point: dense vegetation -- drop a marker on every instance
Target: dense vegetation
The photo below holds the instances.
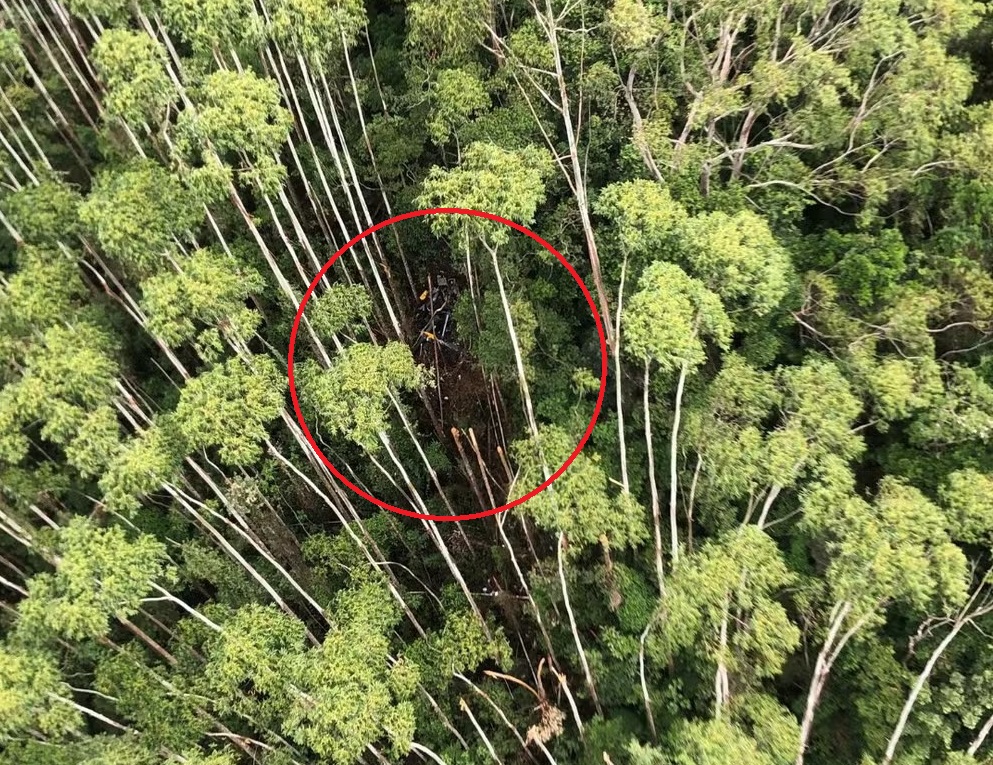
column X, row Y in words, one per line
column 775, row 547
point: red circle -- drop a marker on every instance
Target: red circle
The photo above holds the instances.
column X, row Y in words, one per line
column 478, row 214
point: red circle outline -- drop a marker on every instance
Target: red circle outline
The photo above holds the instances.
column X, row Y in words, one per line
column 478, row 214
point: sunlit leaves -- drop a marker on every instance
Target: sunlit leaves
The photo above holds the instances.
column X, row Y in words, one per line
column 741, row 574
column 963, row 413
column 339, row 309
column 461, row 645
column 66, row 375
column 218, row 24
column 238, row 113
column 251, row 651
column 113, row 10
column 456, row 95
column 669, row 314
column 351, row 694
column 45, row 214
column 352, row 396
column 136, row 211
column 132, row 66
column 30, row 687
column 967, row 495
column 318, row 29
column 446, row 31
column 645, row 214
column 230, row 406
column 96, row 442
column 149, row 460
column 711, row 742
column 100, row 573
column 44, row 290
column 165, row 716
column 578, row 503
column 336, row 698
column 633, row 24
column 895, row 548
column 506, row 183
column 211, row 289
column 737, row 257
column 901, row 386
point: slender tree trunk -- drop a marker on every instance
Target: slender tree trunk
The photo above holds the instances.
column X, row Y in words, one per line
column 829, row 652
column 673, row 463
column 652, row 482
column 981, row 736
column 618, row 386
column 918, row 687
column 575, row 630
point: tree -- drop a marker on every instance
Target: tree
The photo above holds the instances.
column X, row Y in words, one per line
column 350, row 397
column 32, row 695
column 211, row 289
column 132, row 66
column 665, row 322
column 99, row 574
column 901, row 541
column 158, row 209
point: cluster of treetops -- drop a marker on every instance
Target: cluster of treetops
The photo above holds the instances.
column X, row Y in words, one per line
column 775, row 547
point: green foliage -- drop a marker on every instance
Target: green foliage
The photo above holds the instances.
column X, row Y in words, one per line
column 645, row 214
column 633, row 23
column 506, row 183
column 31, row 695
column 339, row 309
column 335, row 699
column 132, row 66
column 896, row 548
column 251, row 651
column 144, row 465
column 773, row 727
column 219, row 24
column 238, row 112
column 166, row 717
column 318, row 29
column 351, row 397
column 352, row 694
column 966, row 494
column 866, row 267
column 461, row 645
column 799, row 197
column 230, row 406
column 46, row 288
column 739, row 574
column 737, row 257
column 45, row 214
column 491, row 343
column 211, row 290
column 669, row 314
column 112, row 10
column 68, row 381
column 962, row 414
column 100, row 573
column 578, row 504
column 457, row 95
column 714, row 742
column 448, row 31
column 901, row 387
column 135, row 213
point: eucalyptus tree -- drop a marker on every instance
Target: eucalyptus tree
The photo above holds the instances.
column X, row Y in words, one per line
column 666, row 321
column 900, row 540
column 800, row 97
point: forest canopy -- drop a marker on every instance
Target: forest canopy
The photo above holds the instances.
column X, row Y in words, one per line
column 773, row 549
